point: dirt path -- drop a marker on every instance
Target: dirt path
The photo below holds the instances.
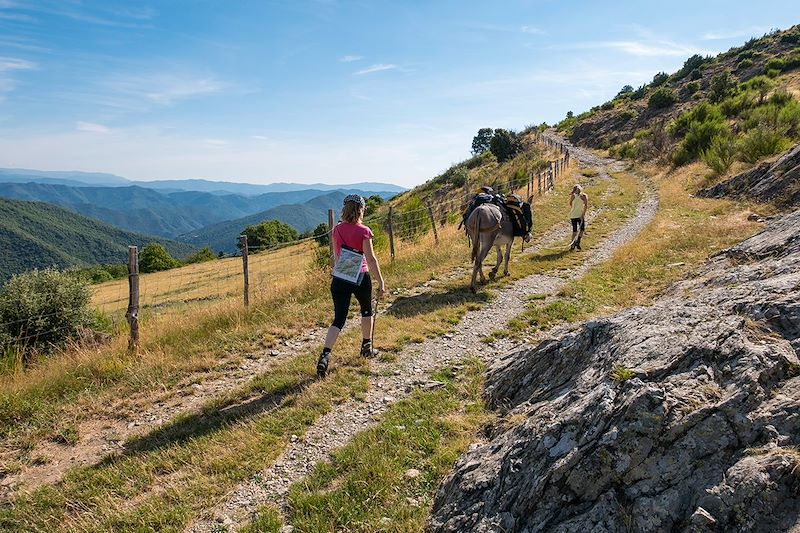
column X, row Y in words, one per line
column 391, row 381
column 125, row 419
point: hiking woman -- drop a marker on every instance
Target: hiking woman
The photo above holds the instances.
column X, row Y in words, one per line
column 578, row 203
column 351, row 234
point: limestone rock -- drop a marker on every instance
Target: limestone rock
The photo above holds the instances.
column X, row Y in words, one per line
column 703, row 437
column 777, row 182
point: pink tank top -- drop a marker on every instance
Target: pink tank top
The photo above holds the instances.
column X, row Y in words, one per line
column 352, row 236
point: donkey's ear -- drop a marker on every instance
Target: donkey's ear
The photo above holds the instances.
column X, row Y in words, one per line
column 530, row 199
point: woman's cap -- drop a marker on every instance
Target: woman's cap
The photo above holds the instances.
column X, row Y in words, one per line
column 355, row 198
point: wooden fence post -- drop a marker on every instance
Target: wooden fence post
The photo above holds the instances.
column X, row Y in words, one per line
column 539, row 181
column 245, row 269
column 132, row 314
column 391, row 233
column 330, row 237
column 433, row 223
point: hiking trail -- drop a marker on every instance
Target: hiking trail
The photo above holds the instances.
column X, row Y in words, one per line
column 392, row 381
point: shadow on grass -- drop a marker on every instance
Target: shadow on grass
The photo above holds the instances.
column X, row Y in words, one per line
column 407, row 306
column 551, row 256
column 210, row 420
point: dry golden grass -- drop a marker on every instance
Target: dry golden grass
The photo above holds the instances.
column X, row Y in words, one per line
column 212, row 280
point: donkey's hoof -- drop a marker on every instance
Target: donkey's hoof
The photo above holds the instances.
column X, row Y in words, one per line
column 492, row 275
column 473, row 290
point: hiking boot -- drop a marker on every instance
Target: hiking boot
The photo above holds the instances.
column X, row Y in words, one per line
column 367, row 351
column 322, row 365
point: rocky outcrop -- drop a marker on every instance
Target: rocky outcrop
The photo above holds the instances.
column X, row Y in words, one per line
column 777, row 182
column 681, row 416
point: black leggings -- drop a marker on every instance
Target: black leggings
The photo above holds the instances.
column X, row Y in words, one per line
column 578, row 223
column 341, row 291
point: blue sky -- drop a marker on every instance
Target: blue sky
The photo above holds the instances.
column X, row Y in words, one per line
column 324, row 90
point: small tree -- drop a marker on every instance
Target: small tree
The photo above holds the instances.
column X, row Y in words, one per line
column 481, row 142
column 721, row 154
column 269, row 233
column 626, row 90
column 722, row 86
column 504, row 144
column 42, row 309
column 660, row 79
column 321, row 234
column 201, row 256
column 661, row 98
column 373, row 203
column 155, row 258
column 760, row 84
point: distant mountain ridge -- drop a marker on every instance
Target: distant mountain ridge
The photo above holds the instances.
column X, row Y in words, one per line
column 302, row 217
column 163, row 213
column 39, row 235
column 99, row 179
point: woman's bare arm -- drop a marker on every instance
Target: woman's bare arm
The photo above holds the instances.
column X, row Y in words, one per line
column 372, row 263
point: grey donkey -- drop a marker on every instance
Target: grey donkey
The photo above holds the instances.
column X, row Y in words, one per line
column 489, row 226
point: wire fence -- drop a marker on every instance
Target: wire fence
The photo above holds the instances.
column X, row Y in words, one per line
column 262, row 272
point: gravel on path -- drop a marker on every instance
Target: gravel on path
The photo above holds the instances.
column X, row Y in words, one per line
column 392, row 381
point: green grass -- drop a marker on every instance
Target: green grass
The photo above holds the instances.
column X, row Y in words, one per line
column 366, row 487
column 621, row 374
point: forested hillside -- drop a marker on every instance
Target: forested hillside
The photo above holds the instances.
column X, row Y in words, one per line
column 38, row 235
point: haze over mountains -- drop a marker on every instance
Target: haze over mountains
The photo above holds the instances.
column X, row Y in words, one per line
column 197, row 212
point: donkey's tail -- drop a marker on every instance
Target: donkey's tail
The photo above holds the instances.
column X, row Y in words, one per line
column 476, row 239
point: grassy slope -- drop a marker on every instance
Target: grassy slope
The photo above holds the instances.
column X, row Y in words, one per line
column 36, row 235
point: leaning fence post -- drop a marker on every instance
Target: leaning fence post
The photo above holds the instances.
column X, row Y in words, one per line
column 433, row 223
column 391, row 233
column 132, row 314
column 245, row 269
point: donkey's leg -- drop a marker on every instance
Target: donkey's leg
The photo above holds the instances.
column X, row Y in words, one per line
column 508, row 255
column 493, row 273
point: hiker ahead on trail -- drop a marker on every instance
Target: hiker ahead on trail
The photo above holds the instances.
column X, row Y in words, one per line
column 355, row 261
column 578, row 203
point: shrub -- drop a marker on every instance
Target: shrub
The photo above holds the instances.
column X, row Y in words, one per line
column 761, row 85
column 155, row 258
column 780, row 98
column 776, row 63
column 697, row 139
column 703, row 112
column 692, row 87
column 375, row 201
column 720, row 155
column 626, row 150
column 659, row 79
column 269, row 234
column 772, row 72
column 735, row 105
column 691, row 66
column 627, row 115
column 201, row 256
column 624, row 92
column 789, row 118
column 791, row 37
column 760, row 142
column 42, row 309
column 744, row 63
column 723, row 85
column 639, row 93
column 661, row 98
column 607, row 105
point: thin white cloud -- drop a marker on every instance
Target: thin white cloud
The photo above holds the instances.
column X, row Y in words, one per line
column 378, row 67
column 13, row 63
column 638, row 48
column 9, row 65
column 350, row 59
column 752, row 31
column 216, row 142
column 165, row 88
column 533, row 30
column 259, row 137
column 91, row 127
